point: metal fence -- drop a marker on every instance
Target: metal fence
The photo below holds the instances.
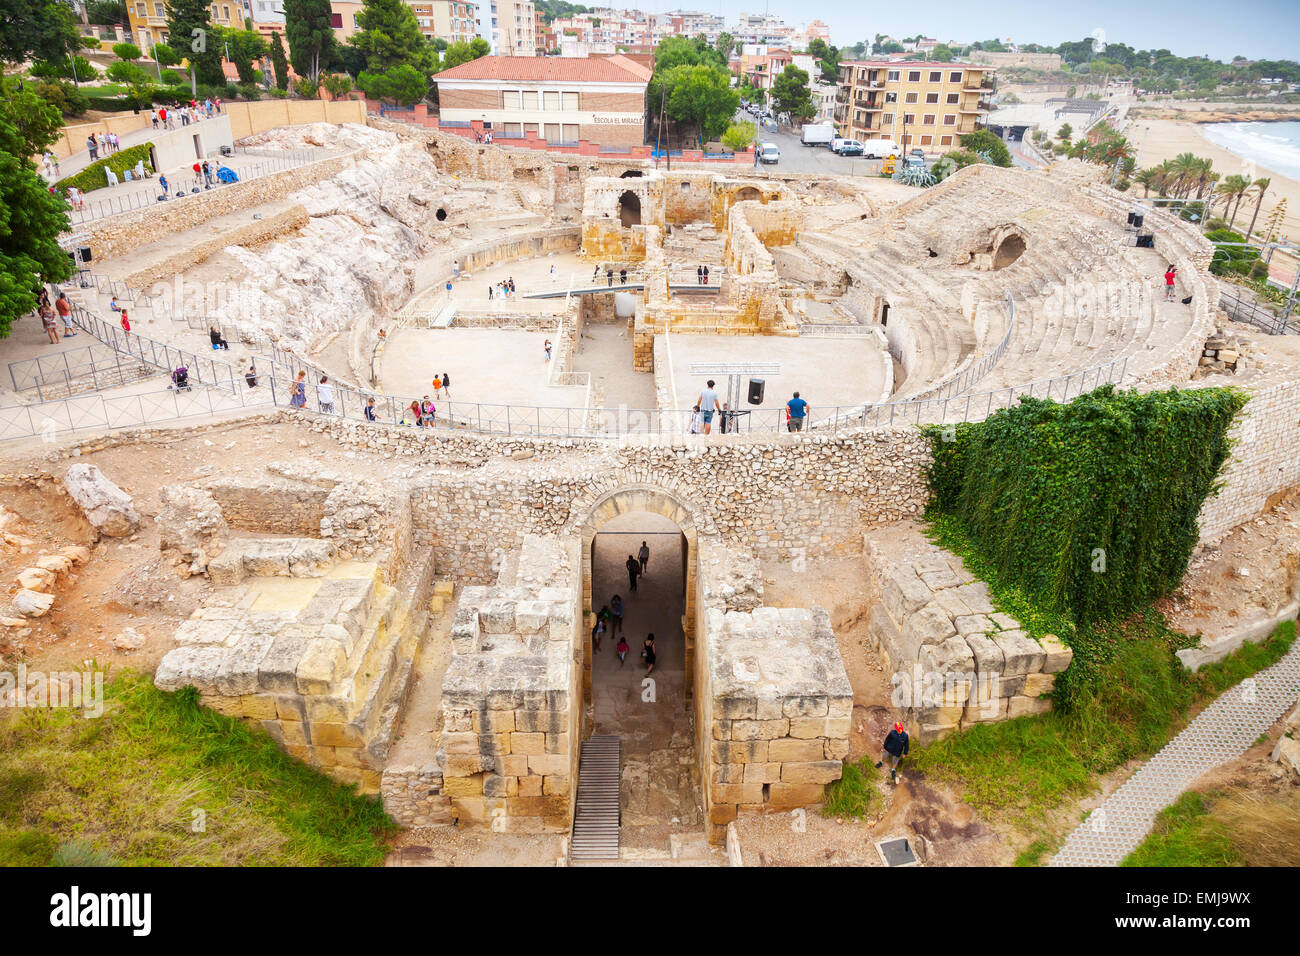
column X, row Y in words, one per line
column 967, row 379
column 1241, row 307
column 85, row 369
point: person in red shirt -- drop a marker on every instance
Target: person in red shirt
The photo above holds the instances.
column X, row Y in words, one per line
column 1170, row 275
column 126, row 323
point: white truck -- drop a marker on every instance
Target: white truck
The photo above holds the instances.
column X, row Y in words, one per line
column 880, row 149
column 817, row 134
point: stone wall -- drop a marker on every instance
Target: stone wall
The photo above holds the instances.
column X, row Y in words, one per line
column 275, row 506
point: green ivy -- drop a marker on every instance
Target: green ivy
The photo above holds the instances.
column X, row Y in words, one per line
column 1044, row 493
column 92, row 177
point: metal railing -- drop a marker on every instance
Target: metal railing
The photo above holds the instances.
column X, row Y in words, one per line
column 1242, row 308
column 967, row 379
column 86, row 369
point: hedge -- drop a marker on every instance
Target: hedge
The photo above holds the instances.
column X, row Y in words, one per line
column 110, row 104
column 92, row 177
column 1090, row 506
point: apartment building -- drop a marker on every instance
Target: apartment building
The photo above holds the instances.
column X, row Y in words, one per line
column 510, row 26
column 343, row 18
column 148, row 19
column 913, row 103
column 451, row 20
column 600, row 99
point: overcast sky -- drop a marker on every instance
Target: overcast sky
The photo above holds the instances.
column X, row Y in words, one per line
column 1257, row 29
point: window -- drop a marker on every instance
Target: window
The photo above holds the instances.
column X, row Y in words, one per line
column 510, row 99
column 936, row 76
column 552, row 132
column 909, row 119
column 954, row 76
column 914, row 76
column 893, row 76
column 513, row 129
column 159, row 11
column 887, row 119
column 927, row 140
column 953, row 98
column 945, row 140
column 551, row 103
column 950, row 119
column 910, row 98
column 927, row 120
column 530, row 100
column 530, row 128
column 570, row 130
column 891, row 97
column 570, row 103
column 225, row 12
column 932, row 97
column 140, row 11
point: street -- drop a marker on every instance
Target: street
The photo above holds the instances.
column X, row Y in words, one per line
column 798, row 158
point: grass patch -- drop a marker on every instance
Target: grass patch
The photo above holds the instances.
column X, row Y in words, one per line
column 1232, row 828
column 159, row 780
column 1023, row 769
column 855, row 794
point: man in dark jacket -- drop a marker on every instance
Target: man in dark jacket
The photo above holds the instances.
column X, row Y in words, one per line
column 895, row 749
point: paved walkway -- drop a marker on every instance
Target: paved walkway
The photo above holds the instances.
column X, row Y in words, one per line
column 1221, row 732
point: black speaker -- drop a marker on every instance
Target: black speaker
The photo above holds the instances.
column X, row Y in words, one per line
column 1147, row 242
column 1131, row 217
column 84, row 253
column 756, row 391
column 1137, row 220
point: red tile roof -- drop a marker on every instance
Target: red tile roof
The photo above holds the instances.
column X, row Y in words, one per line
column 589, row 69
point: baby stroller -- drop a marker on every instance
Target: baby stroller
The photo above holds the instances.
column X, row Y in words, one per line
column 181, row 379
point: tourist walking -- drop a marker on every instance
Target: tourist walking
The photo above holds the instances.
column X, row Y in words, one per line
column 706, row 275
column 648, row 652
column 325, row 395
column 707, row 404
column 699, row 275
column 622, row 649
column 413, row 413
column 153, row 116
column 437, row 388
column 298, row 398
column 616, row 614
column 547, row 346
column 697, row 421
column 251, row 375
column 796, row 411
column 1170, row 275
column 64, row 308
column 643, row 556
column 633, row 572
column 894, row 749
column 166, row 186
column 598, row 629
column 722, row 419
column 622, row 277
column 92, row 147
column 207, row 175
column 370, row 411
column 446, row 385
column 126, row 322
column 49, row 323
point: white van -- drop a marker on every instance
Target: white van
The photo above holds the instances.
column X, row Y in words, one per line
column 880, row 148
column 768, row 153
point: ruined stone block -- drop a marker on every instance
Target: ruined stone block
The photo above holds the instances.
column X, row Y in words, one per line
column 813, row 771
column 1022, row 654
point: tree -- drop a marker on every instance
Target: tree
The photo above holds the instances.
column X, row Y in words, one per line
column 389, row 35
column 702, row 96
column 983, row 141
column 69, row 68
column 31, row 217
column 164, row 55
column 244, row 46
column 942, row 53
column 790, row 94
column 337, row 84
column 726, row 43
column 279, row 61
column 462, row 52
column 106, row 11
column 828, row 59
column 403, row 84
column 1233, row 188
column 311, row 38
column 36, row 30
column 134, row 76
column 1260, row 186
column 738, row 136
column 1065, row 132
column 126, row 51
column 190, row 28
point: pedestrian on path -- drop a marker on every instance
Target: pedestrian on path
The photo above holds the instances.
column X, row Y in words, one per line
column 1170, row 275
column 126, row 322
column 325, row 395
column 648, row 652
column 697, row 421
column 547, row 346
column 64, row 308
column 633, row 571
column 370, row 411
column 796, row 411
column 437, row 388
column 616, row 614
column 153, row 116
column 622, row 649
column 251, row 375
column 598, row 629
column 446, row 385
column 92, row 147
column 449, row 288
column 895, row 749
column 299, row 397
column 708, row 403
column 49, row 323
column 699, row 275
column 706, row 275
column 643, row 556
column 166, row 186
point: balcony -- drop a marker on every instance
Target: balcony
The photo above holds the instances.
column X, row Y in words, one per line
column 864, row 103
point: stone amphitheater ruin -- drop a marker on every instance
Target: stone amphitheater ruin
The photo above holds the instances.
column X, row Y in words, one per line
column 417, row 617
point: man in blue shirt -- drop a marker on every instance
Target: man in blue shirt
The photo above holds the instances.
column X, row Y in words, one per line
column 797, row 410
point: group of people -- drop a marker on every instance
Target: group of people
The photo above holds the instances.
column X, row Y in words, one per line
column 609, row 619
column 500, row 290
column 609, row 275
column 709, row 404
column 52, row 313
column 165, row 117
column 98, row 144
column 702, row 275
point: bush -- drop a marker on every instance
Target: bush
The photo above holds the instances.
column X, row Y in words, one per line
column 337, row 84
column 1232, row 259
column 250, row 91
column 278, row 94
column 307, row 89
column 739, row 136
column 1090, row 506
column 63, row 96
column 109, row 104
column 92, row 177
column 171, row 78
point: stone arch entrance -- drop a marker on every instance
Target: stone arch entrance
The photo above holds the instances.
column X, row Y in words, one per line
column 656, row 501
column 748, row 194
column 1008, row 251
column 629, row 209
column 631, row 174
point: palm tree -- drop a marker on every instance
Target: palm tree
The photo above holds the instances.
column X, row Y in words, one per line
column 1183, row 170
column 1260, row 186
column 1233, row 187
column 1147, row 178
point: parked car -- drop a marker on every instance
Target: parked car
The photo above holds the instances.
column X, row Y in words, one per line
column 851, row 147
column 880, row 148
column 917, row 154
column 769, row 153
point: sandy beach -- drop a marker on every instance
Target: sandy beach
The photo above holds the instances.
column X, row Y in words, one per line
column 1168, row 138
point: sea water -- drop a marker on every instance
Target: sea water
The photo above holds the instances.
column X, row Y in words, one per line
column 1275, row 146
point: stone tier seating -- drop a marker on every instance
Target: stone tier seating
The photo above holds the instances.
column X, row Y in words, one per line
column 953, row 659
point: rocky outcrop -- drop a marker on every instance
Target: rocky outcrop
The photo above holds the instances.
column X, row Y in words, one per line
column 106, row 506
column 191, row 527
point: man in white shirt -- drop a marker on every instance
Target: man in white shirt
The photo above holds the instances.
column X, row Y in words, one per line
column 325, row 395
column 708, row 404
